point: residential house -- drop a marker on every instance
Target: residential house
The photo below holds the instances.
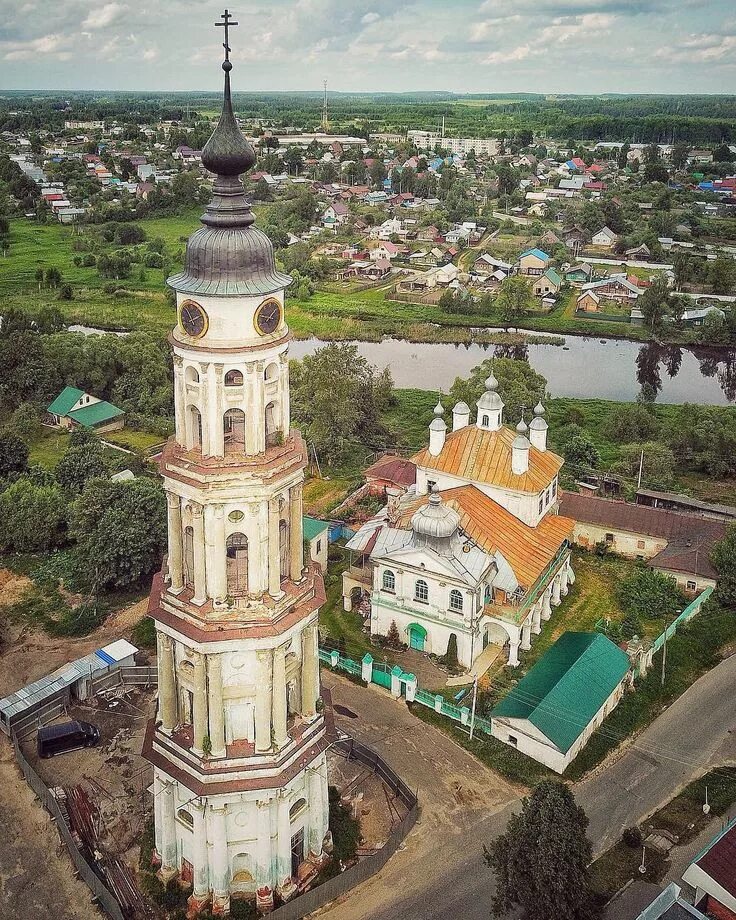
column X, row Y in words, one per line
column 549, row 238
column 575, row 238
column 588, row 302
column 615, row 287
column 698, row 316
column 713, row 876
column 486, row 265
column 335, row 214
column 390, row 473
column 428, row 234
column 604, row 237
column 645, row 901
column 555, row 708
column 316, row 538
column 579, row 274
column 676, row 544
column 73, row 408
column 640, row 253
column 548, row 284
column 533, row 262
column 384, row 251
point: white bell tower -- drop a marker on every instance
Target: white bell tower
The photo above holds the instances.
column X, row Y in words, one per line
column 239, row 740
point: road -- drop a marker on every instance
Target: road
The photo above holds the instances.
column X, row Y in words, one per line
column 440, row 871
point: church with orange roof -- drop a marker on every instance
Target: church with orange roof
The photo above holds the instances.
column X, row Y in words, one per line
column 474, row 557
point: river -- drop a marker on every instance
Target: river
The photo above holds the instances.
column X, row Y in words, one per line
column 584, row 367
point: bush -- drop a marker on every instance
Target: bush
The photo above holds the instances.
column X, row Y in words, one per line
column 632, row 837
column 345, row 829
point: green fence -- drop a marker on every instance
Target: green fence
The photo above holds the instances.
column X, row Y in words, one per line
column 686, row 614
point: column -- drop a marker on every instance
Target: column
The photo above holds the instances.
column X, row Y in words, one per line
column 263, row 702
column 166, row 682
column 546, row 604
column 526, row 636
column 176, row 549
column 296, row 540
column 279, row 697
column 200, row 578
column 180, row 403
column 283, row 870
column 204, row 408
column 216, row 410
column 563, row 581
column 249, row 407
column 310, row 674
column 263, row 846
column 570, row 573
column 215, row 705
column 513, row 661
column 199, row 715
column 285, row 396
column 168, row 853
column 158, row 821
column 274, row 549
column 220, row 867
column 536, row 617
column 216, row 560
column 316, row 833
column 259, row 405
column 325, row 795
column 556, row 592
column 201, row 888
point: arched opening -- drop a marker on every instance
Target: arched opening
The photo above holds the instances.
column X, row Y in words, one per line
column 356, row 595
column 421, row 591
column 234, row 428
column 191, row 374
column 236, row 551
column 417, row 636
column 233, row 378
column 456, row 601
column 272, row 432
column 297, row 809
column 284, row 548
column 185, row 817
column 189, row 557
column 494, row 634
column 271, row 372
column 195, row 428
column 389, row 581
column 242, row 877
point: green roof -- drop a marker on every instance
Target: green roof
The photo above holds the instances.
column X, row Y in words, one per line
column 65, row 400
column 567, row 686
column 313, row 528
column 95, row 414
column 553, row 276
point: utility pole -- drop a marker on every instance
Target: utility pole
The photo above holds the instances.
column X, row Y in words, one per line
column 664, row 651
column 325, row 120
column 641, row 467
column 472, row 712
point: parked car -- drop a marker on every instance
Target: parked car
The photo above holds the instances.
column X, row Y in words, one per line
column 68, row 736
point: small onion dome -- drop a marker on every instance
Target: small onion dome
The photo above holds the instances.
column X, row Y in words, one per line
column 227, row 152
column 522, row 427
column 461, row 408
column 491, row 382
column 435, row 520
column 490, row 399
column 438, row 424
column 439, row 409
column 539, row 409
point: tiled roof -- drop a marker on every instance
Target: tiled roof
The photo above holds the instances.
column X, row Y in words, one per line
column 394, row 469
column 528, row 550
column 65, row 400
column 690, row 538
column 477, row 455
column 567, row 686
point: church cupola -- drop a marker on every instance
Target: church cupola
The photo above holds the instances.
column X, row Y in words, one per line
column 435, row 524
column 538, row 429
column 520, row 450
column 490, row 407
column 460, row 416
column 437, row 431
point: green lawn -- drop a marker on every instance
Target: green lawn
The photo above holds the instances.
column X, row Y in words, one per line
column 133, row 440
column 46, row 450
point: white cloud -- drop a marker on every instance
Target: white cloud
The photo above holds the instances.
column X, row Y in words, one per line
column 369, row 18
column 45, row 45
column 102, row 16
column 705, row 48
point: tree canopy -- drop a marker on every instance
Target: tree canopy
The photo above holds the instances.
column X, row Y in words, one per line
column 519, row 386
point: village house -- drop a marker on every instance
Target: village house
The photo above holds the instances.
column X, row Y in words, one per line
column 487, row 265
column 604, row 237
column 475, row 550
column 579, row 274
column 618, row 288
column 316, row 540
column 676, row 544
column 713, row 876
column 555, row 708
column 640, row 253
column 548, row 285
column 533, row 262
column 588, row 302
column 335, row 215
column 73, row 408
column 384, row 251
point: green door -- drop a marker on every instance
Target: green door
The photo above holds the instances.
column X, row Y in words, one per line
column 416, row 637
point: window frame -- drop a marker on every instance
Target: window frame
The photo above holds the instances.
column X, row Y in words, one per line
column 417, row 597
column 392, row 577
column 455, row 593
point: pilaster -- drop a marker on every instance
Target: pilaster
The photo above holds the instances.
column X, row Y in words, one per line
column 215, row 705
column 166, row 683
column 263, row 702
column 200, row 569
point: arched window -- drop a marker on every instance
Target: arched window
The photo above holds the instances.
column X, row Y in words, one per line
column 233, row 378
column 191, row 375
column 296, row 809
column 271, row 372
column 421, row 591
column 486, row 420
column 185, row 817
column 272, row 432
column 236, row 552
column 456, row 600
column 234, row 429
column 389, row 581
column 195, row 428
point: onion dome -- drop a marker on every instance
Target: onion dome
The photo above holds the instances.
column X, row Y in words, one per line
column 522, row 426
column 435, row 523
column 490, row 399
column 228, row 255
column 539, row 409
column 439, row 409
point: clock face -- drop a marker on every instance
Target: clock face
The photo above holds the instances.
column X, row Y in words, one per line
column 268, row 317
column 193, row 319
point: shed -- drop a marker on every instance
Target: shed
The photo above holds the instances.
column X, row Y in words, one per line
column 316, row 535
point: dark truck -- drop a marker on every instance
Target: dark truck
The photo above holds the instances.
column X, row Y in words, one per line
column 68, row 736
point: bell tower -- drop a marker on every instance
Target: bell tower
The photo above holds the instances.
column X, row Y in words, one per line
column 238, row 743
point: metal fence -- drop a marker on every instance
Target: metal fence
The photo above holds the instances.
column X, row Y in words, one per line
column 100, row 892
column 138, row 676
column 343, row 883
column 686, row 614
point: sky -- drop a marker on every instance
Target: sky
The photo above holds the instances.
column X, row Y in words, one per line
column 478, row 46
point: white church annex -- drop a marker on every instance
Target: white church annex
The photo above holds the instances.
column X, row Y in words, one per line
column 477, row 550
column 238, row 744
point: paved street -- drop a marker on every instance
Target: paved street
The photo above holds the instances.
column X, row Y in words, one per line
column 440, row 872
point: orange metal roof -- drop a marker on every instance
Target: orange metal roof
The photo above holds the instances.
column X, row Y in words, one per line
column 528, row 550
column 485, row 456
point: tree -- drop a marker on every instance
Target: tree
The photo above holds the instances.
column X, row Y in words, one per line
column 658, row 465
column 581, row 455
column 722, row 274
column 120, row 531
column 519, row 386
column 656, row 303
column 623, row 156
column 13, row 453
column 723, row 557
column 393, row 637
column 632, row 422
column 541, row 861
column 33, row 516
column 515, row 298
column 337, row 397
column 680, row 154
column 647, row 594
column 79, row 464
